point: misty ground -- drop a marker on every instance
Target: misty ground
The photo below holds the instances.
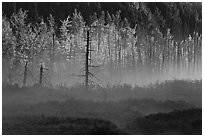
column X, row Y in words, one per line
column 171, row 107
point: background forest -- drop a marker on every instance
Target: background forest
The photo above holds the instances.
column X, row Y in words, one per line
column 134, row 43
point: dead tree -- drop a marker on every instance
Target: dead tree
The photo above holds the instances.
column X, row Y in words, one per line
column 43, row 81
column 25, row 75
column 41, row 75
column 87, row 62
column 88, row 65
column 53, row 49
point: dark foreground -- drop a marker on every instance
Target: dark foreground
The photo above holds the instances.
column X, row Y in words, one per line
column 186, row 122
column 169, row 108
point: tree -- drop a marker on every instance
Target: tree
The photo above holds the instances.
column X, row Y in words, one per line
column 155, row 41
column 117, row 23
column 51, row 33
column 8, row 46
column 87, row 63
column 20, row 30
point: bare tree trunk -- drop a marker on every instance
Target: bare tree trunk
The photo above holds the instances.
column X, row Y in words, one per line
column 53, row 49
column 119, row 55
column 150, row 58
column 90, row 52
column 178, row 58
column 133, row 57
column 109, row 48
column 115, row 52
column 174, row 58
column 25, row 76
column 163, row 58
column 87, row 63
column 189, row 58
column 110, row 54
column 52, row 54
column 167, row 57
column 41, row 75
column 98, row 37
column 9, row 71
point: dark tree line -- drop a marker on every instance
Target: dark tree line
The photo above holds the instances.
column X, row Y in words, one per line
column 183, row 18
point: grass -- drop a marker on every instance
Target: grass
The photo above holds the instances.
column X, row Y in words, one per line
column 113, row 106
column 180, row 122
column 188, row 91
column 41, row 125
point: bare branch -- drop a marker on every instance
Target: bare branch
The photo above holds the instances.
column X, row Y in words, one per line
column 93, row 66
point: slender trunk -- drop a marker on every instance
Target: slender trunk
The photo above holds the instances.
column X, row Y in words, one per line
column 90, row 52
column 74, row 57
column 133, row 57
column 119, row 52
column 99, row 40
column 119, row 55
column 41, row 75
column 53, row 49
column 70, row 51
column 174, row 58
column 109, row 48
column 115, row 51
column 25, row 76
column 109, row 53
column 178, row 58
column 194, row 57
column 167, row 53
column 52, row 54
column 163, row 57
column 9, row 75
column 189, row 58
column 150, row 58
column 33, row 60
column 87, row 62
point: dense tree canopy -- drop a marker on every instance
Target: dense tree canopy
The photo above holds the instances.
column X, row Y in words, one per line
column 152, row 40
column 183, row 17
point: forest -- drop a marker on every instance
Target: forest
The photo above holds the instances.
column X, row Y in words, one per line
column 93, row 68
column 157, row 45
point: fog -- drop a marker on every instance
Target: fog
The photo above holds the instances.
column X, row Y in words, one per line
column 68, row 75
column 108, row 71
